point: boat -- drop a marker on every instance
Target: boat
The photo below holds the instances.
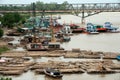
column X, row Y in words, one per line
column 91, row 29
column 110, row 27
column 100, row 28
column 66, row 38
column 76, row 29
column 53, row 72
column 35, row 47
column 66, row 30
column 54, row 46
column 118, row 57
column 62, row 37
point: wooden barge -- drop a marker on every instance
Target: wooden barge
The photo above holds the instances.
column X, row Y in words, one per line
column 19, row 65
column 92, row 71
column 57, row 52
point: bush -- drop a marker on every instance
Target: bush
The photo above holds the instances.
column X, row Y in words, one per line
column 3, row 49
column 10, row 19
column 5, row 78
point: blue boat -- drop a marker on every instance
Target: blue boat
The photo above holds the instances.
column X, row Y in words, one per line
column 118, row 57
column 110, row 27
column 91, row 29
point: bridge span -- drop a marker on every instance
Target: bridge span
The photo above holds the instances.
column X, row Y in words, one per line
column 89, row 8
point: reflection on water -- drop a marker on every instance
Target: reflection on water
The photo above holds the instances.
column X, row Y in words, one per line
column 51, row 78
column 86, row 76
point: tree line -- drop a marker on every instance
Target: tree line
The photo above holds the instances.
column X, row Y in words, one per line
column 10, row 20
column 38, row 6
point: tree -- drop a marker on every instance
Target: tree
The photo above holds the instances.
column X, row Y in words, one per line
column 17, row 17
column 63, row 5
column 39, row 5
column 1, row 33
column 10, row 19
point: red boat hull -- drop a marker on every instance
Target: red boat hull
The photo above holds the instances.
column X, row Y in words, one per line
column 101, row 29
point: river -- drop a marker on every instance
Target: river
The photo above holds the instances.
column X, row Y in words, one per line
column 107, row 42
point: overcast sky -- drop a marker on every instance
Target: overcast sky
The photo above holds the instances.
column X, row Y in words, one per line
column 58, row 1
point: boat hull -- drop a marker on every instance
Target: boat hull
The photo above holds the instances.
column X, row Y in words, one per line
column 93, row 32
column 52, row 75
column 118, row 58
column 37, row 49
column 101, row 29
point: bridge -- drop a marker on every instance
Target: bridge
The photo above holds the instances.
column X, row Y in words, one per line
column 89, row 8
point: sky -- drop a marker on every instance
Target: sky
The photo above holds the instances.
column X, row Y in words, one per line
column 58, row 1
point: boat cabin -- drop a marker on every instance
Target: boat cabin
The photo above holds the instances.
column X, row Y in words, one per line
column 54, row 46
column 66, row 29
column 35, row 47
column 109, row 26
column 90, row 27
